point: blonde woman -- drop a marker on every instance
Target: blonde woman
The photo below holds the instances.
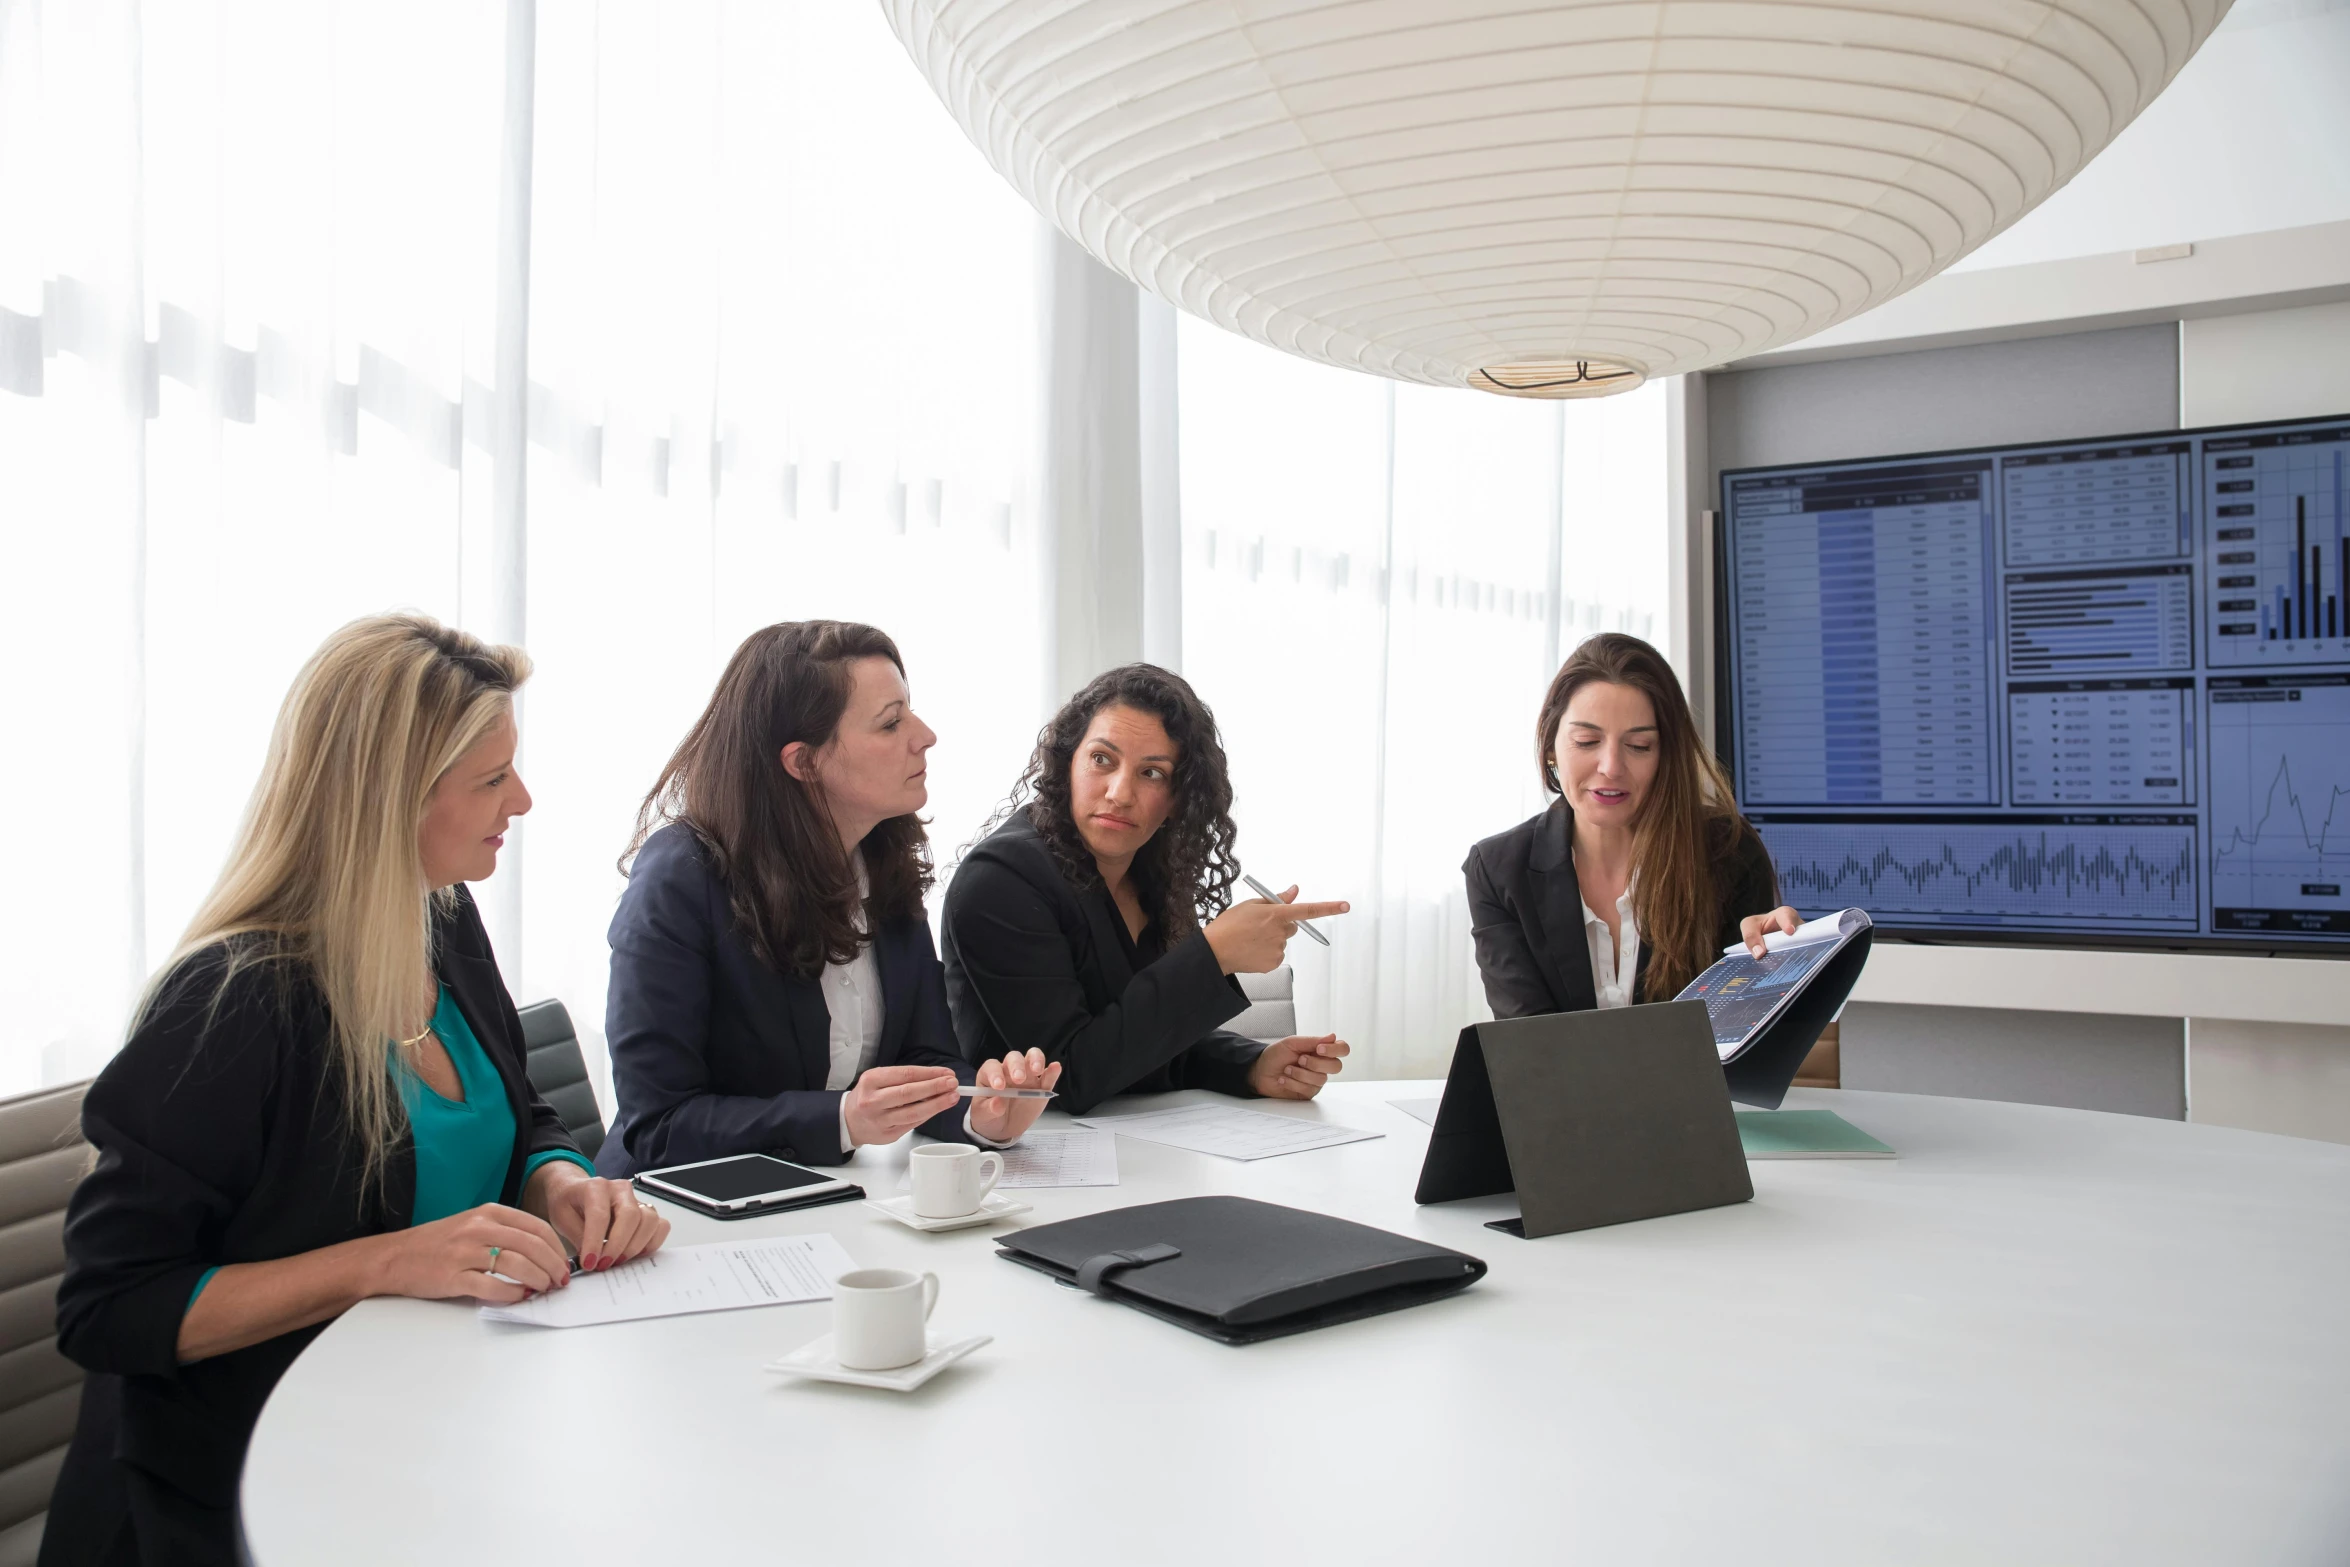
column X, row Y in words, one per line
column 323, row 1097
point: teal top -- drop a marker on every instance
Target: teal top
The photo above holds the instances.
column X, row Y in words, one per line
column 462, row 1145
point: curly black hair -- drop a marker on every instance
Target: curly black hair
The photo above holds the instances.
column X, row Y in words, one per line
column 1185, row 873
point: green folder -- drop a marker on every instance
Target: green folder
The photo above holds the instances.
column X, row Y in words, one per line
column 1805, row 1134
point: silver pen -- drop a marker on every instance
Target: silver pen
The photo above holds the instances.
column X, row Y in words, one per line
column 1270, row 896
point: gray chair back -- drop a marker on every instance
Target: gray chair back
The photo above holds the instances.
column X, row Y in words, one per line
column 1272, row 1005
column 42, row 1156
column 559, row 1072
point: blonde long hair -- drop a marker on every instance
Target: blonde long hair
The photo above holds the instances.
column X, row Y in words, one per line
column 326, row 875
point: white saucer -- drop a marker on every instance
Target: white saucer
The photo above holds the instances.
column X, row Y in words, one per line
column 815, row 1361
column 997, row 1206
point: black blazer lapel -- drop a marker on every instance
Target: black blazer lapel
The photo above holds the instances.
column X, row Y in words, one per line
column 811, row 1026
column 897, row 996
column 1111, row 970
column 1564, row 949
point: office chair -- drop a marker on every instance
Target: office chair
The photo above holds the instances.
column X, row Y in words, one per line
column 42, row 1157
column 559, row 1072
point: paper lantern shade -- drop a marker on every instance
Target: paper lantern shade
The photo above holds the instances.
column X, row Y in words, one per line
column 1547, row 199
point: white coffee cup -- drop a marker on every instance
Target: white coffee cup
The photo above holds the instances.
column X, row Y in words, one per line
column 878, row 1317
column 952, row 1179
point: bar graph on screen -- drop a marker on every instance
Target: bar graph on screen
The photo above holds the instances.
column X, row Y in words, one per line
column 2279, row 571
column 2280, row 799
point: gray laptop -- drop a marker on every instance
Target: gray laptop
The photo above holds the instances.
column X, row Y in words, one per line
column 1590, row 1117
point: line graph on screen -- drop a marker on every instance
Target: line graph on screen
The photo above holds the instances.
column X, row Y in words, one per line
column 2098, row 873
column 2280, row 805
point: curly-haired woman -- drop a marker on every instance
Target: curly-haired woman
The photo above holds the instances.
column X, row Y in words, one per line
column 1076, row 927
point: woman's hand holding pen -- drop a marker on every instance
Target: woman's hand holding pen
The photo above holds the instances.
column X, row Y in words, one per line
column 1252, row 937
column 1296, row 1067
column 1754, row 927
column 890, row 1101
column 1003, row 1120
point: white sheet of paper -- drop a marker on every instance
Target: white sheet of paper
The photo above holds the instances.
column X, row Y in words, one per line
column 1422, row 1110
column 679, row 1280
column 1826, row 928
column 1077, row 1156
column 1231, row 1134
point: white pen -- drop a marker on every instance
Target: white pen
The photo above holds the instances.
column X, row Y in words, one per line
column 968, row 1091
column 1271, row 896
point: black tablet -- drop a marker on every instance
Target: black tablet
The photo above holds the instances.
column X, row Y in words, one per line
column 744, row 1184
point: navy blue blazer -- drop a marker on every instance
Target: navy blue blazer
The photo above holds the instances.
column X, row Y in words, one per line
column 715, row 1053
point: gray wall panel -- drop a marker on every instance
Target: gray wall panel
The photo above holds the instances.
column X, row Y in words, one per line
column 2081, row 1060
column 2081, row 384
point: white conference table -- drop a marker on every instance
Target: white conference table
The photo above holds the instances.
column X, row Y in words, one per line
column 2039, row 1336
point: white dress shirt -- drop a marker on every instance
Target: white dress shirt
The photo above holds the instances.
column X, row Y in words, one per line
column 852, row 998
column 852, row 994
column 1615, row 965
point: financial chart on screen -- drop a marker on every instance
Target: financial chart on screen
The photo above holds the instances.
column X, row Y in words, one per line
column 2087, row 690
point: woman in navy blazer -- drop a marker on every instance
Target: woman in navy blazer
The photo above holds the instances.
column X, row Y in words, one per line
column 774, row 984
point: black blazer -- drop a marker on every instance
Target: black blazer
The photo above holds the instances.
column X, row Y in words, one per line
column 219, row 1140
column 1034, row 964
column 715, row 1053
column 1526, row 912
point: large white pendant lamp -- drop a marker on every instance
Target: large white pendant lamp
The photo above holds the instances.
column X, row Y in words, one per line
column 1540, row 197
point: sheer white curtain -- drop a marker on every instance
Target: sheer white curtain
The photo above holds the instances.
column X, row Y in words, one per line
column 784, row 364
column 241, row 314
column 1379, row 582
column 780, row 363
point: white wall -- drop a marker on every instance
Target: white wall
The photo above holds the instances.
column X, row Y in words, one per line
column 2265, row 364
column 2253, row 135
column 2271, row 1077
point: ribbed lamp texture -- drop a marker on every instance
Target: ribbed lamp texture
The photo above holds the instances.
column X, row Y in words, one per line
column 1540, row 198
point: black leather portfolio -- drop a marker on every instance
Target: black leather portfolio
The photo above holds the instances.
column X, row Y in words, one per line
column 1237, row 1270
column 1592, row 1118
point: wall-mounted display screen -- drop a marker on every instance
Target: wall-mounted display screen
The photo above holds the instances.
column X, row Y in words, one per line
column 2079, row 691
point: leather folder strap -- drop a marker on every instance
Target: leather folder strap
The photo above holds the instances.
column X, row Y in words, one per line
column 1093, row 1275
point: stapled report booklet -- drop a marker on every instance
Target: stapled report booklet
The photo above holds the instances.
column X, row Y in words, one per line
column 1743, row 993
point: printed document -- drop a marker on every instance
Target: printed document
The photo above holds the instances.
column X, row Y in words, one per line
column 679, row 1280
column 1229, row 1133
column 1077, row 1156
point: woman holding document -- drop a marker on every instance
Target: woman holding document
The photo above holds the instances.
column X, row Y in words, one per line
column 1643, row 871
column 1092, row 924
column 774, row 985
column 323, row 1097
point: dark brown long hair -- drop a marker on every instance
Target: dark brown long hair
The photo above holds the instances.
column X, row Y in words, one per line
column 770, row 836
column 1686, row 827
column 1184, row 874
